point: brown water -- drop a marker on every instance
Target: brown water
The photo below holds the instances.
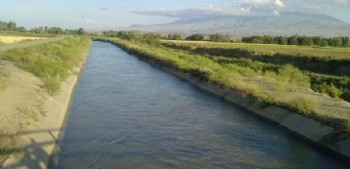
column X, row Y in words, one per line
column 128, row 114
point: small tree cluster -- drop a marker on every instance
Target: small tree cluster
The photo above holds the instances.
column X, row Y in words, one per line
column 299, row 40
column 219, row 37
column 150, row 38
column 196, row 37
column 57, row 30
column 10, row 26
column 174, row 36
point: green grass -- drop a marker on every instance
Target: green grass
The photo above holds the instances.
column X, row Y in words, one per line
column 52, row 62
column 327, row 67
column 11, row 33
column 326, row 53
column 304, row 104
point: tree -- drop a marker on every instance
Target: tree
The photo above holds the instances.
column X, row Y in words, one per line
column 54, row 30
column 293, row 40
column 38, row 30
column 306, row 41
column 346, row 41
column 21, row 29
column 257, row 39
column 337, row 42
column 195, row 37
column 3, row 25
column 174, row 36
column 219, row 37
column 324, row 42
column 282, row 40
column 317, row 40
column 81, row 31
column 267, row 39
column 11, row 26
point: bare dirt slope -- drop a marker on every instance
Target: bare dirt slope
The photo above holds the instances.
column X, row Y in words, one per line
column 30, row 120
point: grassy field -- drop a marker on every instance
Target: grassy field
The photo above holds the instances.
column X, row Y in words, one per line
column 325, row 53
column 16, row 39
column 327, row 67
column 282, row 85
column 52, row 62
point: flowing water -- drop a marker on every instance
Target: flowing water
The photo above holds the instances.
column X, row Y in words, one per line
column 128, row 114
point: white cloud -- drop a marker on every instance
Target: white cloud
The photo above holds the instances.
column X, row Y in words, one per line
column 255, row 7
column 262, row 3
column 278, row 3
column 347, row 2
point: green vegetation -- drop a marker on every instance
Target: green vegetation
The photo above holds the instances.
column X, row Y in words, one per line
column 51, row 62
column 299, row 40
column 327, row 67
column 12, row 27
column 196, row 37
column 219, row 37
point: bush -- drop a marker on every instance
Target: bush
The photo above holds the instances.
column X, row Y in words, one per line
column 333, row 91
column 304, row 104
column 293, row 75
column 346, row 95
column 195, row 37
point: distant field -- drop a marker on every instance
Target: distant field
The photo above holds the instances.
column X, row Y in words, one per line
column 272, row 49
column 16, row 39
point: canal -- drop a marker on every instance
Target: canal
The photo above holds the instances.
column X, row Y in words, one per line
column 127, row 114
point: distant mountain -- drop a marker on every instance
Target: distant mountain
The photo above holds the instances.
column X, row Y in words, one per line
column 285, row 24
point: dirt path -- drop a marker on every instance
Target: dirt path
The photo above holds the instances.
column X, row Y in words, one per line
column 29, row 43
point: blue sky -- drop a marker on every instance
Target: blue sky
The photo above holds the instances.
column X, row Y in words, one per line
column 109, row 14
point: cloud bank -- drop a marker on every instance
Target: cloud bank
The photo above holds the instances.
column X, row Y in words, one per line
column 253, row 7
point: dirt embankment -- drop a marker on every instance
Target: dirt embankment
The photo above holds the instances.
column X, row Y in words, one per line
column 31, row 121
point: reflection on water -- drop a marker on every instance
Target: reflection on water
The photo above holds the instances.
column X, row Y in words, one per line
column 128, row 114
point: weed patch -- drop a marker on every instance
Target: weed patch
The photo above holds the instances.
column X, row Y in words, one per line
column 52, row 62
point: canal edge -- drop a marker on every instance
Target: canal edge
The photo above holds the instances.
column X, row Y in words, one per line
column 316, row 134
column 44, row 136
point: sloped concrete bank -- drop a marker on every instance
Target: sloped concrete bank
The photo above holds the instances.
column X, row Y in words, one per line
column 41, row 139
column 319, row 135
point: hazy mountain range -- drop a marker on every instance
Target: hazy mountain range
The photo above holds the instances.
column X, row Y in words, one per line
column 284, row 24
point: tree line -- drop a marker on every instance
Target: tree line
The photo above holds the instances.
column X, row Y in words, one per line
column 299, row 40
column 12, row 26
column 132, row 35
column 217, row 37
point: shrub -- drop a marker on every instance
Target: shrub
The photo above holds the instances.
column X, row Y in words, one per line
column 333, row 91
column 293, row 75
column 304, row 104
column 264, row 102
column 195, row 37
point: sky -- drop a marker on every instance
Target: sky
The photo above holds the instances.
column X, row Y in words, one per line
column 112, row 14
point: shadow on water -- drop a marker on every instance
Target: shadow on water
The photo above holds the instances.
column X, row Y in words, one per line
column 32, row 154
